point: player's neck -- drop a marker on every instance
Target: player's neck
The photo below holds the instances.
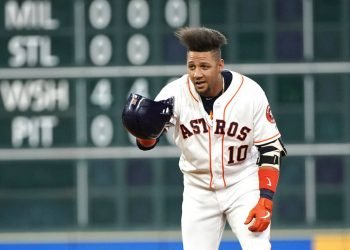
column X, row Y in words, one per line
column 222, row 84
column 219, row 92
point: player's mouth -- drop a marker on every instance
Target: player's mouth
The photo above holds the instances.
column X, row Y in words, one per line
column 200, row 84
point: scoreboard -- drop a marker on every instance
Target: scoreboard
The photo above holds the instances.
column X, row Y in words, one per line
column 67, row 67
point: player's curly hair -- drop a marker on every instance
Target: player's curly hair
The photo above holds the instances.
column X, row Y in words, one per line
column 201, row 39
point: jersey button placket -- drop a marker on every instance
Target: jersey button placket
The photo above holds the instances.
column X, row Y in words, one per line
column 214, row 153
column 217, row 160
column 217, row 149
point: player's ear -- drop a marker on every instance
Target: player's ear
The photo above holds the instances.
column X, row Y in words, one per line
column 221, row 64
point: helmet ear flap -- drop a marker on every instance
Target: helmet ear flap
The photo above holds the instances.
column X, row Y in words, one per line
column 145, row 118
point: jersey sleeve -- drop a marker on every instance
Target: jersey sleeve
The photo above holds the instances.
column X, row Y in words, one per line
column 171, row 90
column 265, row 127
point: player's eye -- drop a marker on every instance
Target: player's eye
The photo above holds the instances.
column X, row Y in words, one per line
column 191, row 67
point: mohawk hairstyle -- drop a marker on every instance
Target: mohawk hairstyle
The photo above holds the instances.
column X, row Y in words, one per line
column 201, row 39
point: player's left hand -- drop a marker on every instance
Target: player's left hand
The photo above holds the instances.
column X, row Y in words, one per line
column 262, row 213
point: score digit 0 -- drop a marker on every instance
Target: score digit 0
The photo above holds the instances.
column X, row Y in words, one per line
column 101, row 131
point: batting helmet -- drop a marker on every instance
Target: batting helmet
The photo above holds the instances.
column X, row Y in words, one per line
column 145, row 118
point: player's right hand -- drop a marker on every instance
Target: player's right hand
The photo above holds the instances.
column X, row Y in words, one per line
column 262, row 213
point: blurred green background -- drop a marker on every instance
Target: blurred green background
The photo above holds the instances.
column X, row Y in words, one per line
column 82, row 170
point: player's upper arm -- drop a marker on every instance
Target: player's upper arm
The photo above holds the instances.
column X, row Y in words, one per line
column 172, row 89
column 265, row 127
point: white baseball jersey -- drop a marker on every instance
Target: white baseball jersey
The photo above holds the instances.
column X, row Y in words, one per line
column 219, row 151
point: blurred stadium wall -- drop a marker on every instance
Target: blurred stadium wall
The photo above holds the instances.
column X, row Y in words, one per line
column 68, row 167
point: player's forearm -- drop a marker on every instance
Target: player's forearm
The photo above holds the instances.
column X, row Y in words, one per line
column 262, row 212
column 269, row 164
column 268, row 181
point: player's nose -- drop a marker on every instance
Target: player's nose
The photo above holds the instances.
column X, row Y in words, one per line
column 197, row 73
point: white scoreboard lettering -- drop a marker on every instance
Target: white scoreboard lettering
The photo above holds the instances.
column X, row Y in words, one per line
column 34, row 95
column 37, row 130
column 31, row 51
column 29, row 15
column 33, row 100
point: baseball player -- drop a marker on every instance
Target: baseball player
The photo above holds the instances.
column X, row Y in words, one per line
column 230, row 145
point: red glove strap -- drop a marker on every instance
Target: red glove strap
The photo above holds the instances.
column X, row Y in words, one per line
column 147, row 142
column 268, row 178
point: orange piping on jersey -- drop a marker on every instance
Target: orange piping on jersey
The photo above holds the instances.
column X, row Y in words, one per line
column 267, row 138
column 189, row 89
column 223, row 137
column 210, row 165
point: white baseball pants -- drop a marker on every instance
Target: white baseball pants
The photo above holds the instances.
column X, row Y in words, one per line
column 205, row 212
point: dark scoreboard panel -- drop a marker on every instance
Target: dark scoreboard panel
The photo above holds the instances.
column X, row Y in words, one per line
column 64, row 34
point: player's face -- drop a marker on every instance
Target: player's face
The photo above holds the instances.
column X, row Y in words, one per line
column 204, row 70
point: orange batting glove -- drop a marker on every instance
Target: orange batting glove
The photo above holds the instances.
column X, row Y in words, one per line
column 262, row 213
